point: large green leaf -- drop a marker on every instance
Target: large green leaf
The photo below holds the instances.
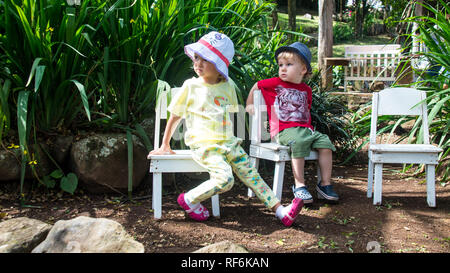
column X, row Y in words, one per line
column 69, row 183
column 84, row 99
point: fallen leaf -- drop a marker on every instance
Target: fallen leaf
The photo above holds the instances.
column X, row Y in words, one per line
column 3, row 215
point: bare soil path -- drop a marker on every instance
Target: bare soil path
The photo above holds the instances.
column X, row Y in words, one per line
column 404, row 223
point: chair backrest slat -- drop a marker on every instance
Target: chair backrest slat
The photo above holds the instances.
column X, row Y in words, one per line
column 399, row 101
column 161, row 111
column 256, row 126
column 260, row 117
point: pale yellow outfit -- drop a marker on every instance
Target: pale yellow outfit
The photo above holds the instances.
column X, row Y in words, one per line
column 209, row 134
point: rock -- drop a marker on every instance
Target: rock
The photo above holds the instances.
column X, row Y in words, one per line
column 308, row 16
column 59, row 148
column 21, row 235
column 223, row 247
column 10, row 163
column 88, row 235
column 101, row 162
column 148, row 125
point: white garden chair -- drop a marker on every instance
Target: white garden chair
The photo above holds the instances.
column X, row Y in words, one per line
column 400, row 101
column 181, row 161
column 269, row 150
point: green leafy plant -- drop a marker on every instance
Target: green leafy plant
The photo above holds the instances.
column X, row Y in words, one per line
column 5, row 118
column 342, row 32
column 68, row 183
column 100, row 65
column 143, row 43
column 434, row 32
column 41, row 44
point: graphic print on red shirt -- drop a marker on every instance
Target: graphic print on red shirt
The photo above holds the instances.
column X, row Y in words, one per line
column 291, row 105
column 288, row 104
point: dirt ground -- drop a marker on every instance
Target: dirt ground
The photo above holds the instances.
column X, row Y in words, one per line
column 404, row 223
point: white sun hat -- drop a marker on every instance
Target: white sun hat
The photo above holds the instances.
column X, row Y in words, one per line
column 215, row 48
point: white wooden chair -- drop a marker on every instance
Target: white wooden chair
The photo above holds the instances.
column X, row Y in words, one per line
column 371, row 63
column 269, row 150
column 180, row 162
column 400, row 101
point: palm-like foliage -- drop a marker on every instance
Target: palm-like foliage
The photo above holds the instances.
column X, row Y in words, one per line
column 43, row 45
column 101, row 64
column 434, row 32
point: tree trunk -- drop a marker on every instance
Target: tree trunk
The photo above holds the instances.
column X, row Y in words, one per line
column 275, row 17
column 358, row 19
column 361, row 9
column 292, row 12
column 325, row 48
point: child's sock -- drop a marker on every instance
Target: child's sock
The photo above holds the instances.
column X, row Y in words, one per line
column 197, row 208
column 196, row 211
column 288, row 214
column 187, row 200
column 281, row 211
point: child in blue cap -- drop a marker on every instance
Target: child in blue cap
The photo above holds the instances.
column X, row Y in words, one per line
column 288, row 101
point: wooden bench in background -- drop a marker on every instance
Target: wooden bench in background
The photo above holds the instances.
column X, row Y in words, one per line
column 371, row 63
column 367, row 68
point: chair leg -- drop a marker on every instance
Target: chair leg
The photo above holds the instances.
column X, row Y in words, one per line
column 431, row 191
column 255, row 162
column 370, row 179
column 215, row 205
column 157, row 195
column 378, row 184
column 319, row 175
column 278, row 179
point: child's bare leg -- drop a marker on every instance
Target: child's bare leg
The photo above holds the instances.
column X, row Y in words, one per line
column 298, row 168
column 326, row 165
column 325, row 189
column 300, row 190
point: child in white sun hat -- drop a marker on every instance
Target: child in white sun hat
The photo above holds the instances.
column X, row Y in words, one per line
column 205, row 102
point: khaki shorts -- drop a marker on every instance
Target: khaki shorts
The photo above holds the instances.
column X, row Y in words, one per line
column 302, row 140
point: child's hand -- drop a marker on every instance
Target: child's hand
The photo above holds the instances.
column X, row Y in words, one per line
column 163, row 150
column 250, row 109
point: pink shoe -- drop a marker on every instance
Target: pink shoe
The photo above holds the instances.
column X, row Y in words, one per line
column 296, row 207
column 198, row 213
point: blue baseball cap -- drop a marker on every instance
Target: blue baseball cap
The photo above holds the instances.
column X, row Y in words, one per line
column 300, row 49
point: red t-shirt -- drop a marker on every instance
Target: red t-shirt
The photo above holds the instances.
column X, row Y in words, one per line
column 288, row 104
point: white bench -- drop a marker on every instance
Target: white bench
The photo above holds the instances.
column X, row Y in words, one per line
column 371, row 63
